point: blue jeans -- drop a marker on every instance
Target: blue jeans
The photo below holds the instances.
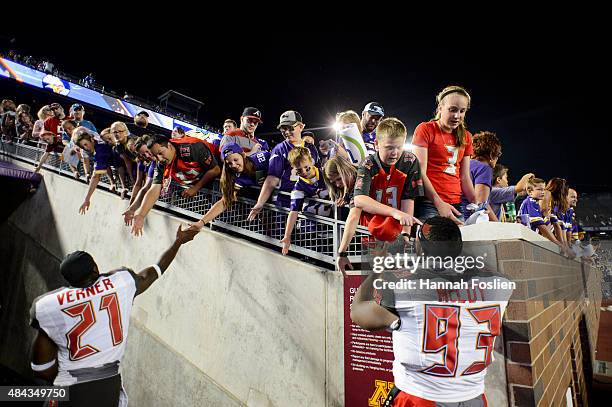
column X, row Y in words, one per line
column 425, row 209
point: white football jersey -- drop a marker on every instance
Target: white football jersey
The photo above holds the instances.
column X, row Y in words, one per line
column 446, row 339
column 89, row 326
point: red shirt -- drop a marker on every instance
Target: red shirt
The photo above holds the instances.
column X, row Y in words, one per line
column 443, row 159
column 53, row 124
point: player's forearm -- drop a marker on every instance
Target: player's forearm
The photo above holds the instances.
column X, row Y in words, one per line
column 266, row 190
column 291, row 219
column 166, row 259
column 349, row 229
column 149, row 200
column 371, row 316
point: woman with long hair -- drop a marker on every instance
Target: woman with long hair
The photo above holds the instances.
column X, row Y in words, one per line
column 557, row 204
column 39, row 125
column 444, row 146
column 339, row 175
column 239, row 170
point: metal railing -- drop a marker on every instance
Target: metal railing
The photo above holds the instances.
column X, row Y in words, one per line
column 314, row 236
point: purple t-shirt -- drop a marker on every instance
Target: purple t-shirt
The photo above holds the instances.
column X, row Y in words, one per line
column 280, row 167
column 531, row 207
column 260, row 160
column 306, row 188
column 500, row 196
column 481, row 173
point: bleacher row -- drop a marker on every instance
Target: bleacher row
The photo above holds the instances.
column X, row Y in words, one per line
column 315, row 237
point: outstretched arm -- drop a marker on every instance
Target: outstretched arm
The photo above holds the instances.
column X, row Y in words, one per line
column 365, row 312
column 147, row 276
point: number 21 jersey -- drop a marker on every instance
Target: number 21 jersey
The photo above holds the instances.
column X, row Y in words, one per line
column 88, row 325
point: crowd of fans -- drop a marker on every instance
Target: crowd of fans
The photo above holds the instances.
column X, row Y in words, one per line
column 44, row 64
column 449, row 171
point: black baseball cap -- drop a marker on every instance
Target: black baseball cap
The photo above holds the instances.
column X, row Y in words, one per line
column 252, row 113
column 143, row 112
column 77, row 267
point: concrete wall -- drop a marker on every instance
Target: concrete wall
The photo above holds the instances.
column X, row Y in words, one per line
column 232, row 323
column 229, row 323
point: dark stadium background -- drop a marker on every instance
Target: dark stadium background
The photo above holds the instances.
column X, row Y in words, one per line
column 546, row 96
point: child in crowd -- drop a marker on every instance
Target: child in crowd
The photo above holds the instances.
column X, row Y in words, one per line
column 387, row 184
column 501, row 193
column 309, row 184
column 531, row 208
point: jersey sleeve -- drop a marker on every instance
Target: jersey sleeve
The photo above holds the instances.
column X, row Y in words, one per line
column 158, row 174
column 276, row 166
column 483, row 175
column 364, row 177
column 502, row 195
column 314, row 153
column 297, row 196
column 413, row 186
column 201, row 154
column 422, row 137
column 534, row 212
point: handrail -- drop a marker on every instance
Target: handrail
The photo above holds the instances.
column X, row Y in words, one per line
column 315, row 236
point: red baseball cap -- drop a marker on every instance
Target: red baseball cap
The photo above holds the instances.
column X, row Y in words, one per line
column 384, row 228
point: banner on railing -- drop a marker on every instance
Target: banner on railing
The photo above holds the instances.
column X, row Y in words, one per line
column 41, row 80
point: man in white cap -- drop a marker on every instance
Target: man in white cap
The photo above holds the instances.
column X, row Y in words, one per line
column 372, row 114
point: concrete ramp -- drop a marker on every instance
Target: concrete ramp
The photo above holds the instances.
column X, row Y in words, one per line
column 229, row 323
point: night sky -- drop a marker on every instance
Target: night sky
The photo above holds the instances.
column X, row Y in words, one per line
column 545, row 97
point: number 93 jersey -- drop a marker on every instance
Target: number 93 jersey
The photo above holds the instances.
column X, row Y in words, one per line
column 88, row 325
column 446, row 339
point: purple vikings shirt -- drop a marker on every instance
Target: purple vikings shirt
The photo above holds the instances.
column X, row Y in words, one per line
column 368, row 140
column 481, row 173
column 280, row 167
column 568, row 219
column 531, row 207
column 306, row 188
column 261, row 160
column 103, row 154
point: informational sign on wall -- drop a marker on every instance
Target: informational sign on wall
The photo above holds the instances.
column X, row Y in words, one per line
column 368, row 357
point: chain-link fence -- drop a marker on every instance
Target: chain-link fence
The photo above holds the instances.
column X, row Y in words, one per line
column 314, row 236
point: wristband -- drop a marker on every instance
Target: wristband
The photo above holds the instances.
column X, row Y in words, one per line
column 44, row 366
column 343, row 254
column 395, row 325
column 157, row 269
